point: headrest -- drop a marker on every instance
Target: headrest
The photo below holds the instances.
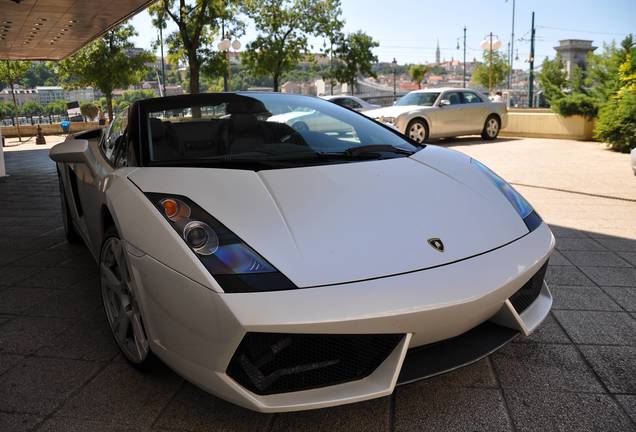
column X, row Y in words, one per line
column 243, row 123
column 245, row 106
column 157, row 128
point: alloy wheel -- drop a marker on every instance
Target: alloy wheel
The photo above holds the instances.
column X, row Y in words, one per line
column 417, row 132
column 120, row 304
column 492, row 127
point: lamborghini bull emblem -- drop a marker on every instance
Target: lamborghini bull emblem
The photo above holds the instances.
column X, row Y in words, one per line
column 436, row 244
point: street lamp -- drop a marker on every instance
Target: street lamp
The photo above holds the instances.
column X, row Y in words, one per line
column 490, row 43
column 394, row 62
column 224, row 45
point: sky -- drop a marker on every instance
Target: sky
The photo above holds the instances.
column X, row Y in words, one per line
column 408, row 30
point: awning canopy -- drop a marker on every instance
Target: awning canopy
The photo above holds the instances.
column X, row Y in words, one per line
column 55, row 29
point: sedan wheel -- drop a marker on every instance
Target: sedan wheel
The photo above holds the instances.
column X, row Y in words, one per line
column 120, row 304
column 491, row 128
column 417, row 131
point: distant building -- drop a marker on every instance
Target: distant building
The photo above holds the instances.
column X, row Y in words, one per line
column 574, row 53
column 80, row 95
column 22, row 95
column 48, row 94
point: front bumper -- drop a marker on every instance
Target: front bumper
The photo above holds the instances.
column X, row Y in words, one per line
column 197, row 331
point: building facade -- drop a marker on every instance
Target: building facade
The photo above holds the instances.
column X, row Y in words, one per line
column 574, row 53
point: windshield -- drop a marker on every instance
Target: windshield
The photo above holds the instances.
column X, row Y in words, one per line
column 423, row 99
column 264, row 127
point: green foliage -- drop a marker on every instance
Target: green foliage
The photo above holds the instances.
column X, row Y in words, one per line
column 495, row 63
column 603, row 77
column 107, row 64
column 575, row 104
column 616, row 123
column 354, row 57
column 283, row 27
column 417, row 73
column 130, row 96
column 198, row 23
column 89, row 110
column 40, row 74
column 57, row 107
column 553, row 78
column 32, row 109
column 6, row 110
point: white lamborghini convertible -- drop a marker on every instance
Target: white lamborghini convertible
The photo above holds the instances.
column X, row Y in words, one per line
column 284, row 268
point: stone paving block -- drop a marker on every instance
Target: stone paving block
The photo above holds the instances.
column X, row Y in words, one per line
column 565, row 412
column 451, row 408
column 557, row 259
column 46, row 258
column 12, row 275
column 595, row 259
column 59, row 278
column 7, row 256
column 25, row 335
column 628, row 402
column 548, row 331
column 598, row 328
column 629, row 257
column 40, row 385
column 618, row 244
column 582, row 298
column 566, row 275
column 17, row 422
column 540, row 367
column 83, row 340
column 370, row 416
column 121, row 395
column 563, row 232
column 624, row 296
column 66, row 424
column 71, row 303
column 194, row 410
column 7, row 361
column 478, row 374
column 578, row 244
column 615, row 365
column 15, row 300
column 612, row 276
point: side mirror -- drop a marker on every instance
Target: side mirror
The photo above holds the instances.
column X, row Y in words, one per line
column 444, row 102
column 73, row 151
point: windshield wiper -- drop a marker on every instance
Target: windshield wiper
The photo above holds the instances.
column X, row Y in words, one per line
column 376, row 149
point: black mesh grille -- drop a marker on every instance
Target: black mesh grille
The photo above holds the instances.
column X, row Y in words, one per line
column 269, row 363
column 530, row 291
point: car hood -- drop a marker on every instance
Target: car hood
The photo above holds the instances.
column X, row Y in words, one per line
column 340, row 223
column 393, row 111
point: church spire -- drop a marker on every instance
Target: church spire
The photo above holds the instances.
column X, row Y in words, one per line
column 437, row 53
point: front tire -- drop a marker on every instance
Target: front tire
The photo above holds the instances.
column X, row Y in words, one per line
column 491, row 128
column 120, row 303
column 417, row 130
column 69, row 229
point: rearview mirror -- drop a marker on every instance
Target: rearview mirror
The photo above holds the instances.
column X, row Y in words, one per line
column 73, row 151
column 444, row 102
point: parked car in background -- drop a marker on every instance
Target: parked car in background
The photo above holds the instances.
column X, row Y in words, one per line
column 634, row 160
column 444, row 112
column 351, row 102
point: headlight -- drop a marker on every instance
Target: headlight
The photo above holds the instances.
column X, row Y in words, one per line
column 235, row 266
column 387, row 120
column 523, row 207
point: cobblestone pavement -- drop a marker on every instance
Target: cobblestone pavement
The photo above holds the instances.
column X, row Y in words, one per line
column 60, row 370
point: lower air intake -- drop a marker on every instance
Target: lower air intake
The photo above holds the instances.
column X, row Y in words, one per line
column 530, row 291
column 271, row 363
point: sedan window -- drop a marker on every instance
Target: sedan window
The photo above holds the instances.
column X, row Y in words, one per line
column 453, row 97
column 470, row 97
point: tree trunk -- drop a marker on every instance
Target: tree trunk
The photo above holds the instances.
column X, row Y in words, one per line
column 275, row 78
column 15, row 114
column 194, row 84
column 109, row 105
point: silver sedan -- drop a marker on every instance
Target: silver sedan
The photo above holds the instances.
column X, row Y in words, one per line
column 445, row 112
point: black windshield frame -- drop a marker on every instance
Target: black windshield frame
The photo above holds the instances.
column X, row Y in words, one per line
column 143, row 108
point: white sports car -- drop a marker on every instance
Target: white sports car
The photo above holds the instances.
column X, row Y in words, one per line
column 444, row 112
column 288, row 270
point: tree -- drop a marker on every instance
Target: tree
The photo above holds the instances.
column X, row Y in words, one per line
column 354, row 57
column 130, row 96
column 198, row 22
column 32, row 109
column 40, row 74
column 89, row 110
column 603, row 69
column 553, row 78
column 417, row 73
column 6, row 110
column 494, row 63
column 11, row 71
column 283, row 27
column 108, row 63
column 57, row 107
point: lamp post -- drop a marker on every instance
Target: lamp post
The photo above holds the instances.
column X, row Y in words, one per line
column 464, row 74
column 394, row 62
column 225, row 45
column 490, row 43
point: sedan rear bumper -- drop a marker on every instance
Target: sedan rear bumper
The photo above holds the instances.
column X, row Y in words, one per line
column 197, row 331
